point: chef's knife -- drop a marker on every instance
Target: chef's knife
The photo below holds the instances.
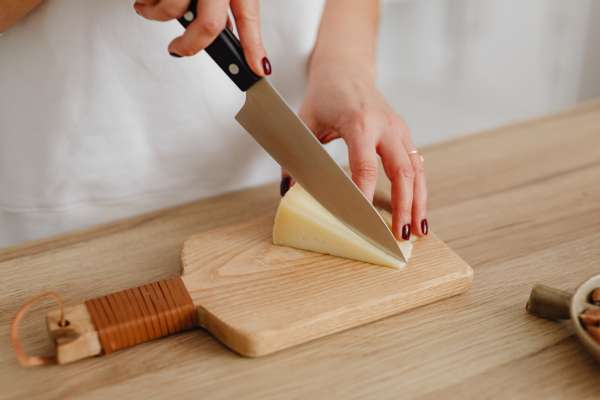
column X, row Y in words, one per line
column 272, row 123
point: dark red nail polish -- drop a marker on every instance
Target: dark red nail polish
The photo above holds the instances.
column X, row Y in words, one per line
column 266, row 66
column 284, row 186
column 424, row 226
column 406, row 232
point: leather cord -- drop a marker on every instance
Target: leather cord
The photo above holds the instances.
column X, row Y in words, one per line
column 137, row 315
column 25, row 359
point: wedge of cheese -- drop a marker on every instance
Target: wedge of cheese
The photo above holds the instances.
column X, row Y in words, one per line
column 301, row 222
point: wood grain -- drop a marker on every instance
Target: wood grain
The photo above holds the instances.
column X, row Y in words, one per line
column 79, row 339
column 258, row 298
column 521, row 204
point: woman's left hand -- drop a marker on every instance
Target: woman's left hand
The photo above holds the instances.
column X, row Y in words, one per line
column 345, row 104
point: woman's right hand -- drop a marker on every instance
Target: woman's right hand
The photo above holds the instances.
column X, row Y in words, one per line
column 211, row 19
column 12, row 11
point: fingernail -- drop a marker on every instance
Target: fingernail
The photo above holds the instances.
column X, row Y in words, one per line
column 406, row 232
column 424, row 226
column 284, row 186
column 266, row 66
column 174, row 55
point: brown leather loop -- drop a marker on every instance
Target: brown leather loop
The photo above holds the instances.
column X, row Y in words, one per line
column 136, row 315
column 25, row 359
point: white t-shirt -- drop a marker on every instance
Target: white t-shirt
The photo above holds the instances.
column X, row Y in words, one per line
column 98, row 122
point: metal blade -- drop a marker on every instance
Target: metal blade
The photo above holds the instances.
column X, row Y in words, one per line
column 268, row 118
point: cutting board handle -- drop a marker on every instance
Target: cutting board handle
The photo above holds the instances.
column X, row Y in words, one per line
column 122, row 319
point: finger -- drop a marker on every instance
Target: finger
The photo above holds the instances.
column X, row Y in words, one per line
column 363, row 162
column 146, row 2
column 420, row 224
column 247, row 20
column 287, row 181
column 211, row 18
column 400, row 171
column 163, row 10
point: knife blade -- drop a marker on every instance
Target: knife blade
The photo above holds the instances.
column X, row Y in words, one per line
column 272, row 123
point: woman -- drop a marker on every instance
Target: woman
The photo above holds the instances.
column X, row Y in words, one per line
column 97, row 122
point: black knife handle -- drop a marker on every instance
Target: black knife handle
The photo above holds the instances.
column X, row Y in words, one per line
column 226, row 51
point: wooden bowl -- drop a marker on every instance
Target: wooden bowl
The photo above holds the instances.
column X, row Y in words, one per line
column 556, row 304
column 580, row 302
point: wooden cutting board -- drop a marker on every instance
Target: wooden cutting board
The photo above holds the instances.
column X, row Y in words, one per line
column 258, row 298
column 255, row 297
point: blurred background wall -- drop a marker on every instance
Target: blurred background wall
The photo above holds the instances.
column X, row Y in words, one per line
column 456, row 66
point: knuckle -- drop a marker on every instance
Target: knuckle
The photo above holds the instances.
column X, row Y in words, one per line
column 212, row 27
column 405, row 171
column 248, row 15
column 393, row 122
column 406, row 210
column 364, row 170
column 398, row 126
column 358, row 121
column 253, row 43
column 403, row 209
column 418, row 168
column 170, row 11
column 396, row 121
column 422, row 200
column 401, row 126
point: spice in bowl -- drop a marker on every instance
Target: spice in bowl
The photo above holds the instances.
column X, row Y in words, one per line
column 590, row 317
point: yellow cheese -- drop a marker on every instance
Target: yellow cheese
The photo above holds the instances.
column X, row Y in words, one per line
column 301, row 222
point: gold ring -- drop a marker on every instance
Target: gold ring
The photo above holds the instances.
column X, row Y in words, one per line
column 416, row 152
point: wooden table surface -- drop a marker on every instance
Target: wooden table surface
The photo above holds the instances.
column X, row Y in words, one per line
column 521, row 204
